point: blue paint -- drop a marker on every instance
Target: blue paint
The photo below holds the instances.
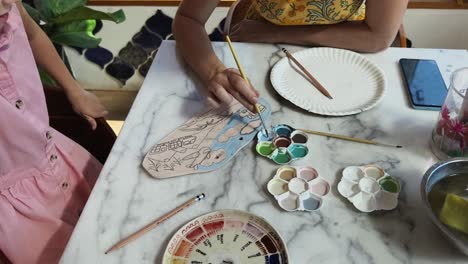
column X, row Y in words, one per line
column 283, row 130
column 147, row 40
column 298, row 151
column 99, row 55
column 160, row 24
column 235, row 143
column 261, row 136
column 120, row 70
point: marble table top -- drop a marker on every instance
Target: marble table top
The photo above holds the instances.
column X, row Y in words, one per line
column 125, row 198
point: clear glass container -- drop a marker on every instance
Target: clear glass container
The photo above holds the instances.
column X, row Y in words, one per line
column 450, row 136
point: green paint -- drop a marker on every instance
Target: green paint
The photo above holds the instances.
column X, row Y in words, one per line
column 265, row 148
column 389, row 184
column 281, row 156
column 298, row 151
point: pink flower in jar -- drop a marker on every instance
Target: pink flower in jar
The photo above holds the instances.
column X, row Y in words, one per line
column 459, row 131
column 444, row 123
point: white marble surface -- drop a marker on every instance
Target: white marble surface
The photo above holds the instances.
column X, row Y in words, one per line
column 125, row 198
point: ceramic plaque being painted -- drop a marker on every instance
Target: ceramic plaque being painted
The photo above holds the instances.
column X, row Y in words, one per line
column 205, row 142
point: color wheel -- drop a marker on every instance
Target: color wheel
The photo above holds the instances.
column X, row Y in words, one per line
column 226, row 237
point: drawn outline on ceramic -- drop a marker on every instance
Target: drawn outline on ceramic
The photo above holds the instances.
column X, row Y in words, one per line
column 369, row 188
column 227, row 236
column 298, row 188
column 284, row 144
column 205, row 142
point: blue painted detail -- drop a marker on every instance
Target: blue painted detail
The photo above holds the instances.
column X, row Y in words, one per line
column 120, row 70
column 133, row 55
column 160, row 24
column 147, row 40
column 144, row 68
column 236, row 142
column 99, row 55
column 98, row 27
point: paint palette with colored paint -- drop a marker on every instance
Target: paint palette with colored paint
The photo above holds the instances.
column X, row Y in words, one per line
column 283, row 144
column 298, row 188
column 228, row 236
column 369, row 188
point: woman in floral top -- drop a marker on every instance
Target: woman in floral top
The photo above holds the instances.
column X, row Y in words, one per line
column 348, row 24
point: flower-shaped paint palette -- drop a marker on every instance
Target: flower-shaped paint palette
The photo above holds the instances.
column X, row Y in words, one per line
column 298, row 188
column 283, row 144
column 369, row 188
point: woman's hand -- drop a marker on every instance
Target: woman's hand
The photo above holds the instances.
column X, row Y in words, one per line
column 87, row 105
column 228, row 83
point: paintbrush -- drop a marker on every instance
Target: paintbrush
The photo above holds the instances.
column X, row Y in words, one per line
column 155, row 223
column 359, row 140
column 257, row 108
column 316, row 83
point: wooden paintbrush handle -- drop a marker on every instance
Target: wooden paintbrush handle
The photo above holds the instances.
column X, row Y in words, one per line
column 317, row 84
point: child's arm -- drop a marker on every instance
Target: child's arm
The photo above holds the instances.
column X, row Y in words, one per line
column 84, row 103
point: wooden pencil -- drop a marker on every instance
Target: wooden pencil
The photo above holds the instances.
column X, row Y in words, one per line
column 155, row 223
column 359, row 140
column 239, row 66
column 316, row 83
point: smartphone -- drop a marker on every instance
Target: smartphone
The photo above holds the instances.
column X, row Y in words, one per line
column 424, row 82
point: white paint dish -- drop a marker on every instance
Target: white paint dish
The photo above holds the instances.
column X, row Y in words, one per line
column 298, row 188
column 355, row 83
column 369, row 188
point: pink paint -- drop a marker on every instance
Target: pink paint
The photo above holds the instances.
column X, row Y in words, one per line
column 308, row 174
column 320, row 187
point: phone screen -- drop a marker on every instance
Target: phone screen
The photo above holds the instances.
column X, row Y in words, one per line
column 424, row 82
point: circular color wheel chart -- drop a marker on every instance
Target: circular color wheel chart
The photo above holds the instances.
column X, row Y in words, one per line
column 226, row 237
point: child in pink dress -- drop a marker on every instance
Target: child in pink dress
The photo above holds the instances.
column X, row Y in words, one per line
column 45, row 178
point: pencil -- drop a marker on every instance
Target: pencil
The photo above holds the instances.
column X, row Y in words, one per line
column 247, row 80
column 316, row 83
column 155, row 223
column 359, row 140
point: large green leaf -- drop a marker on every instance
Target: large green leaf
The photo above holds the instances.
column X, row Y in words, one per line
column 53, row 8
column 83, row 13
column 77, row 34
column 35, row 15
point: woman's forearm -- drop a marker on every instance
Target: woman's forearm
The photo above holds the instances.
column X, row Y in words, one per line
column 195, row 46
column 350, row 35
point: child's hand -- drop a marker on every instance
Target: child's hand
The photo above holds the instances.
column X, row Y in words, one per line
column 87, row 105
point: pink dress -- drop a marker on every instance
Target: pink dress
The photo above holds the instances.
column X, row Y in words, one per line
column 45, row 178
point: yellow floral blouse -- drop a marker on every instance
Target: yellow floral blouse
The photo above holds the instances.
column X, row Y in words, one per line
column 307, row 12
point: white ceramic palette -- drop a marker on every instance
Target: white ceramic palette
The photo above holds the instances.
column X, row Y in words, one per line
column 226, row 237
column 369, row 188
column 298, row 188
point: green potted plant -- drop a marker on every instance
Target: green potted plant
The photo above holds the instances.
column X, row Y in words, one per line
column 69, row 23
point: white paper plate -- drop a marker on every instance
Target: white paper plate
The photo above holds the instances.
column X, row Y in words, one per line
column 355, row 83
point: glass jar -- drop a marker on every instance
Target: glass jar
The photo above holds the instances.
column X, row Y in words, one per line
column 450, row 136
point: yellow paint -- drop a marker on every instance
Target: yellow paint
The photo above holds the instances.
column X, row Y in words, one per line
column 286, row 173
column 277, row 187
